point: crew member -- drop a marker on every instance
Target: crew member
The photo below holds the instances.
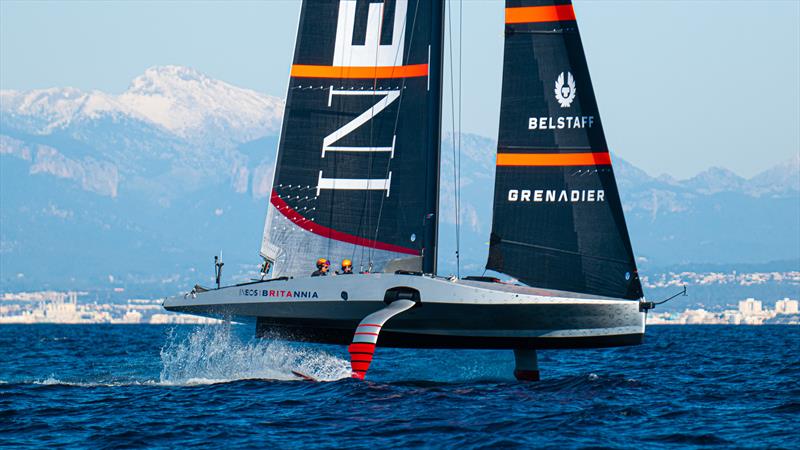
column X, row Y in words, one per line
column 347, row 267
column 265, row 268
column 322, row 268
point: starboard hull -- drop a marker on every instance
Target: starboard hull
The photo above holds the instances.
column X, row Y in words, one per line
column 450, row 314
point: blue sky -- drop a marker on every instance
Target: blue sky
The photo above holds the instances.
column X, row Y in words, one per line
column 682, row 86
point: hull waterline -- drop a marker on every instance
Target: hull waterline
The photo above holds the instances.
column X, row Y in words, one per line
column 449, row 314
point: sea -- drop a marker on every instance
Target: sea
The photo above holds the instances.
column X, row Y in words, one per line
column 216, row 386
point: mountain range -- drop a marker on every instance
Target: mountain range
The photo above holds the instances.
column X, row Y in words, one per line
column 139, row 190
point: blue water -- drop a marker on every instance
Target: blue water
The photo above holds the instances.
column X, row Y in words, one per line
column 154, row 386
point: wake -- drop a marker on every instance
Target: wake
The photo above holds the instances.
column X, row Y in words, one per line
column 215, row 354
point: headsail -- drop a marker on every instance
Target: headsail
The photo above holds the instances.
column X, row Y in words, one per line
column 357, row 170
column 558, row 221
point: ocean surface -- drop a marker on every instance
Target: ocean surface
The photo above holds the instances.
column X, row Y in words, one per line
column 216, row 386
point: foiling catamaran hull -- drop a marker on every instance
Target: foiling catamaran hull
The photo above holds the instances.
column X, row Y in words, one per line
column 447, row 314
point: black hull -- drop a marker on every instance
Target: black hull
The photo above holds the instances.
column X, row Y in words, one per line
column 340, row 332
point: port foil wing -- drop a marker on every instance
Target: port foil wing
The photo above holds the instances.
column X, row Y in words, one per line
column 366, row 336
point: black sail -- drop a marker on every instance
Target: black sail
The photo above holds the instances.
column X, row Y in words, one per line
column 558, row 221
column 357, row 168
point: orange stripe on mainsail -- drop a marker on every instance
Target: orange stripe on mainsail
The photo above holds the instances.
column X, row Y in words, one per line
column 554, row 159
column 306, row 71
column 533, row 14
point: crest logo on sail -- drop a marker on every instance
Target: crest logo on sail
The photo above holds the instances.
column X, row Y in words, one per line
column 565, row 92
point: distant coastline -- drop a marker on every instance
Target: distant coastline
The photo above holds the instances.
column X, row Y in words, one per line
column 57, row 307
column 54, row 307
column 750, row 312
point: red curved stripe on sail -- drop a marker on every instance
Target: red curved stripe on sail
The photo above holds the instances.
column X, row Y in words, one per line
column 330, row 233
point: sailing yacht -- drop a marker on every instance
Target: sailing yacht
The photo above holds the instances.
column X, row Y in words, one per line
column 357, row 177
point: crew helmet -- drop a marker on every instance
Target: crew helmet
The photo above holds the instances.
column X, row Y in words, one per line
column 347, row 263
column 322, row 262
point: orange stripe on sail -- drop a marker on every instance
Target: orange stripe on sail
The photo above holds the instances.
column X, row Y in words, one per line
column 533, row 14
column 306, row 71
column 554, row 159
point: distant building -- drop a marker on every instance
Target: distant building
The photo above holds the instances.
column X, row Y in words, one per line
column 750, row 312
column 750, row 307
column 131, row 316
column 787, row 306
column 697, row 316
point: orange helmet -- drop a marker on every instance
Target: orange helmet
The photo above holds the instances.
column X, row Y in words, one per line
column 347, row 263
column 323, row 262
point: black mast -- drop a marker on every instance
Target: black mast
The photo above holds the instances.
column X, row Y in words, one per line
column 435, row 77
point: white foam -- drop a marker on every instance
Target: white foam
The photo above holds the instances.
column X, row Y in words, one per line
column 53, row 381
column 214, row 354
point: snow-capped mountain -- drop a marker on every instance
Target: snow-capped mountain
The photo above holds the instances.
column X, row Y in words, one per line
column 173, row 129
column 779, row 179
column 179, row 100
column 192, row 105
column 43, row 111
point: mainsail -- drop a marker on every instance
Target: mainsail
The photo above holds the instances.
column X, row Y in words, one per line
column 356, row 175
column 558, row 221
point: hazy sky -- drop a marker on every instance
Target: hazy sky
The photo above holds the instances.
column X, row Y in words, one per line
column 682, row 85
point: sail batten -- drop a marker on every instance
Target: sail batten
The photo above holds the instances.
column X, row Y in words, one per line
column 558, row 221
